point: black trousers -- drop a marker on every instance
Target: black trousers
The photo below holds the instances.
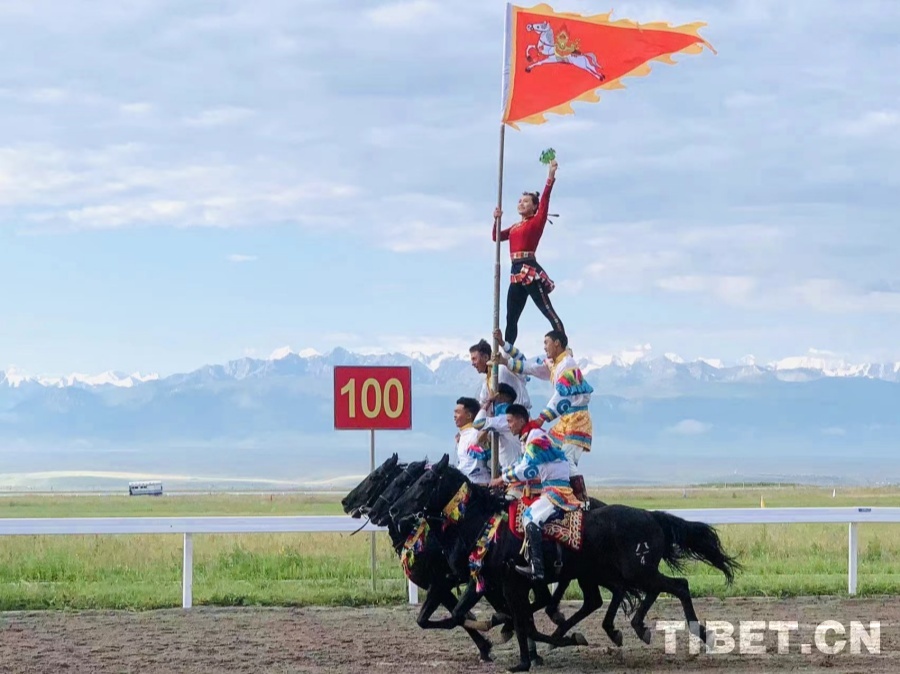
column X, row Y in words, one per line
column 517, row 297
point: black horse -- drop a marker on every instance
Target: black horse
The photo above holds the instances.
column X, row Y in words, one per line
column 378, row 514
column 461, row 616
column 429, row 570
column 622, row 550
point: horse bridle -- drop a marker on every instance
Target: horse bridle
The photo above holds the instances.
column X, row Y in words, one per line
column 368, row 509
column 404, row 473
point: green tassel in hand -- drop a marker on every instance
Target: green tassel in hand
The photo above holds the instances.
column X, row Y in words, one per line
column 548, row 155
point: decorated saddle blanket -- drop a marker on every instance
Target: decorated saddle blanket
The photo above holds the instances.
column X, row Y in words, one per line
column 567, row 531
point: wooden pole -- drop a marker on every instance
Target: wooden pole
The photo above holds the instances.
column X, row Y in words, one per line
column 495, row 369
column 495, row 443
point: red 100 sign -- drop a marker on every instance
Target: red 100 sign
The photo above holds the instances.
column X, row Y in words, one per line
column 372, row 398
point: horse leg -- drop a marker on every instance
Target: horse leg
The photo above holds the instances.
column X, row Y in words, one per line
column 435, row 598
column 609, row 620
column 459, row 609
column 501, row 615
column 522, row 621
column 466, row 603
column 678, row 587
column 592, row 601
column 446, row 597
column 543, row 599
column 542, row 62
column 637, row 620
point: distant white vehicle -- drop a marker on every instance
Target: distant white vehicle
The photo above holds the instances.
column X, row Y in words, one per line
column 148, row 487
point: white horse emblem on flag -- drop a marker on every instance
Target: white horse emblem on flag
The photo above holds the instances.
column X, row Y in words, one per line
column 559, row 48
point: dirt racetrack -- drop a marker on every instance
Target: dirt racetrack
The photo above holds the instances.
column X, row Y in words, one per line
column 320, row 640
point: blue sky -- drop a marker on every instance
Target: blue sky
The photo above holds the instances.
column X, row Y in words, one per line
column 187, row 182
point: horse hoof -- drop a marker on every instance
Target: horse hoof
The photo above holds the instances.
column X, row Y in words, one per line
column 645, row 635
column 579, row 639
column 616, row 636
column 521, row 667
column 505, row 636
column 537, row 660
column 558, row 618
column 486, row 657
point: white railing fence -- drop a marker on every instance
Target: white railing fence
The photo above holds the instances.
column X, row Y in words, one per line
column 188, row 526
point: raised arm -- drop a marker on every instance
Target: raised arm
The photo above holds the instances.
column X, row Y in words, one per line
column 540, row 217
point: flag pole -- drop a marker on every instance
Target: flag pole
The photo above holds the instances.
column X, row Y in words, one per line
column 495, row 448
column 504, row 83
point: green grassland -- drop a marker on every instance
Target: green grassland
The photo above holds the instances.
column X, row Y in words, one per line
column 144, row 571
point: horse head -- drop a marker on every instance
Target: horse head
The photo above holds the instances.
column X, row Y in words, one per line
column 420, row 495
column 378, row 513
column 364, row 492
column 541, row 27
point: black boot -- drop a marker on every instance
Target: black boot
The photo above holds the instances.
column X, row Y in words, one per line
column 577, row 482
column 533, row 539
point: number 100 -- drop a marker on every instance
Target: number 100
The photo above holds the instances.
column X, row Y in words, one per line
column 382, row 398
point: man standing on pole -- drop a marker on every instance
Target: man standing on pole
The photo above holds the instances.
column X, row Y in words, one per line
column 569, row 403
column 527, row 277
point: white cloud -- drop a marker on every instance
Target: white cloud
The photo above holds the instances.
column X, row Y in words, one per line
column 873, row 123
column 743, row 100
column 690, row 427
column 136, row 108
column 426, row 222
column 570, row 286
column 121, row 186
column 405, row 15
column 731, row 289
column 834, row 296
column 418, row 235
column 240, row 257
column 219, row 116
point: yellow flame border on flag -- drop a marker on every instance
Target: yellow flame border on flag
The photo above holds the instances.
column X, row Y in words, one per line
column 592, row 96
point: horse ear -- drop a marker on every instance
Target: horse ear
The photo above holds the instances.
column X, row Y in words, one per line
column 394, row 459
column 445, row 460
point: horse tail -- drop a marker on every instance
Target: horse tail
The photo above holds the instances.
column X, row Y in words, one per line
column 632, row 597
column 694, row 540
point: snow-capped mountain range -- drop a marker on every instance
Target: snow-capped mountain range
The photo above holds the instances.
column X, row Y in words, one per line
column 14, row 377
column 656, row 418
column 446, row 367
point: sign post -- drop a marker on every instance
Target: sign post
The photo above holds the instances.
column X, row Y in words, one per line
column 372, row 398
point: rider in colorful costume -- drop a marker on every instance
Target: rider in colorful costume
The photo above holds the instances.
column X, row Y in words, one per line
column 541, row 458
column 527, row 277
column 492, row 418
column 570, row 401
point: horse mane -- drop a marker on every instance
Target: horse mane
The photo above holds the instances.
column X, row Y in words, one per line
column 494, row 502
